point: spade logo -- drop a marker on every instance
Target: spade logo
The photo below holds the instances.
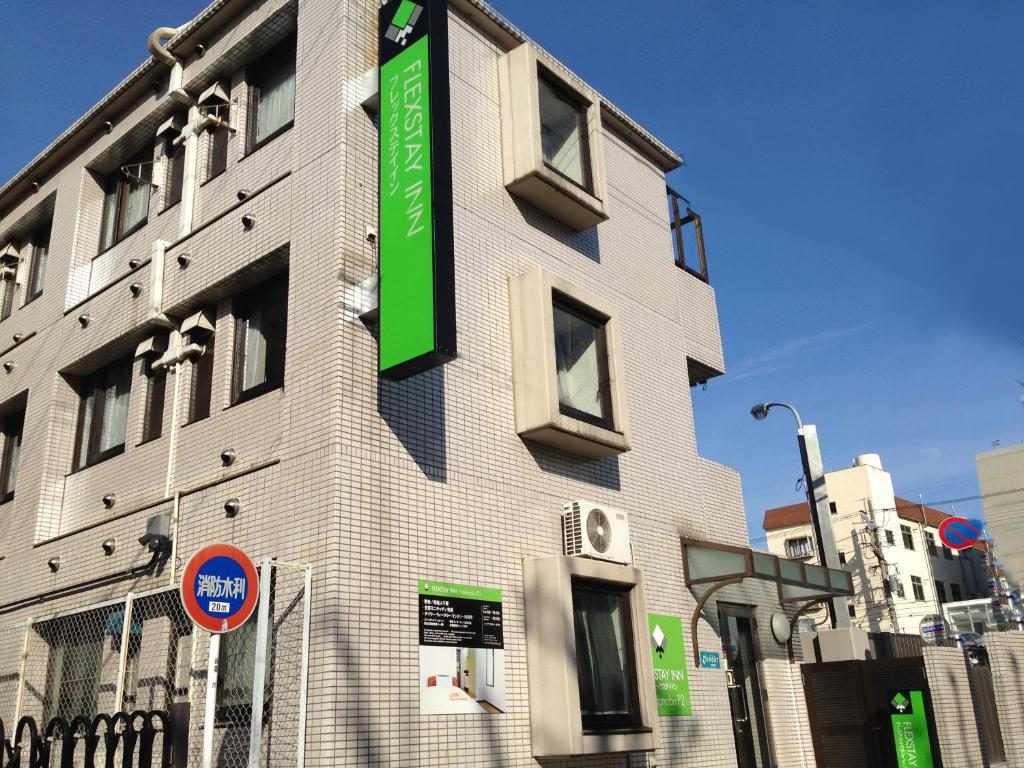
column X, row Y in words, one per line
column 900, row 702
column 660, row 641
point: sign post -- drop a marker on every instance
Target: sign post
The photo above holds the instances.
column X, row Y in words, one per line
column 219, row 591
column 417, row 252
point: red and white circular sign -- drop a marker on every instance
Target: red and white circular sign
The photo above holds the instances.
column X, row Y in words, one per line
column 220, row 588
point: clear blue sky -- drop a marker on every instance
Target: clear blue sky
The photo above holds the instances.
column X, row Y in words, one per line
column 858, row 167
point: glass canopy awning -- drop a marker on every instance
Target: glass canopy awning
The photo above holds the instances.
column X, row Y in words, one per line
column 719, row 565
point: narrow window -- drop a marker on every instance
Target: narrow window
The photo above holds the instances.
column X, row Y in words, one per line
column 801, row 547
column 272, row 94
column 581, row 363
column 202, row 383
column 915, row 582
column 126, row 205
column 175, row 173
column 957, row 594
column 8, row 286
column 153, row 423
column 908, row 536
column 75, row 666
column 947, row 552
column 832, row 508
column 40, row 241
column 930, row 541
column 11, row 426
column 842, row 558
column 609, row 698
column 890, row 539
column 103, row 414
column 260, row 329
column 851, row 609
column 563, row 132
column 899, row 589
column 218, row 155
column 940, row 589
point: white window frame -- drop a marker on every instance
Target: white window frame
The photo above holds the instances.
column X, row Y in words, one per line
column 539, row 415
column 556, row 722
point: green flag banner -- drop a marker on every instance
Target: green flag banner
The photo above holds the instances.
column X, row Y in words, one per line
column 910, row 730
column 669, row 655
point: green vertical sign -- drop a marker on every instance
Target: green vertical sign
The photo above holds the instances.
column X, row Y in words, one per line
column 669, row 655
column 910, row 730
column 417, row 291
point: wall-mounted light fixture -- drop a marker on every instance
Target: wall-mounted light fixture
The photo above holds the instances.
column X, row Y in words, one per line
column 54, row 564
column 135, row 288
column 184, row 259
column 134, row 263
column 18, row 337
column 84, row 320
column 232, row 507
column 109, row 545
column 248, row 220
column 227, row 457
column 243, row 194
column 200, row 50
column 8, row 365
column 109, row 500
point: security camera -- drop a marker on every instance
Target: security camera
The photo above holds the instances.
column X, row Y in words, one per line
column 135, row 288
column 109, row 545
column 134, row 263
column 243, row 194
column 184, row 259
column 248, row 220
column 109, row 500
column 84, row 319
column 232, row 507
column 54, row 564
column 227, row 457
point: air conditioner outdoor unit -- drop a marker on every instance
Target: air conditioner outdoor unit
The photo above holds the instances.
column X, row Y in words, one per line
column 593, row 530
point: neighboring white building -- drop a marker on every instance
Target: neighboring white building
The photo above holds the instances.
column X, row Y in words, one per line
column 901, row 571
column 1001, row 479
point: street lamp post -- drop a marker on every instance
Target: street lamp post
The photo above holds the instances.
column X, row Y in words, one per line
column 817, row 497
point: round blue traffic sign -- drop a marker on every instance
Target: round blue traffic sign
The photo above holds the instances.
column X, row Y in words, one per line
column 959, row 532
column 219, row 588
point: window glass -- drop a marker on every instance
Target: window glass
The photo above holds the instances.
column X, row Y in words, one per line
column 103, row 418
column 218, row 162
column 175, row 174
column 273, row 93
column 915, row 582
column 563, row 133
column 581, row 364
column 153, row 423
column 12, row 428
column 889, row 538
column 940, row 588
column 37, row 269
column 235, row 673
column 8, row 286
column 126, row 205
column 202, row 382
column 800, row 547
column 955, row 589
column 604, row 657
column 908, row 536
column 260, row 338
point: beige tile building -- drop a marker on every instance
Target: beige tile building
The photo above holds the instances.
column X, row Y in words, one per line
column 901, row 570
column 1001, row 479
column 189, row 348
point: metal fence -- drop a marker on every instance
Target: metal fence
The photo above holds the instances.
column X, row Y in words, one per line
column 142, row 652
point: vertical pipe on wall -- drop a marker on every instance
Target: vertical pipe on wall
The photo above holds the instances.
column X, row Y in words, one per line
column 209, row 716
column 122, row 659
column 259, row 673
column 188, row 184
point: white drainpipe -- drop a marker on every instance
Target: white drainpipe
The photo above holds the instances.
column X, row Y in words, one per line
column 190, row 138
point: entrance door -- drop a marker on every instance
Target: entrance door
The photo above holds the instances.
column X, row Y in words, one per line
column 744, row 681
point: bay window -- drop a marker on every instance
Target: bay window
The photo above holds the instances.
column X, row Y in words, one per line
column 563, row 131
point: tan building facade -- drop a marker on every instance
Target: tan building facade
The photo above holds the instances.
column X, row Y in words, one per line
column 189, row 349
column 901, row 570
column 1001, row 479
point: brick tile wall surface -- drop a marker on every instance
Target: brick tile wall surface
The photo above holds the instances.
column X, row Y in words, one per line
column 955, row 717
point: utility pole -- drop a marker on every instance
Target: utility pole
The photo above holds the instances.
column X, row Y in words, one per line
column 875, row 543
column 927, row 554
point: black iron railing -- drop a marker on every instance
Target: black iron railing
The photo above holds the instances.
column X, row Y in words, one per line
column 140, row 739
column 680, row 218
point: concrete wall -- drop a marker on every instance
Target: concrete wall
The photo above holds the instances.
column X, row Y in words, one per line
column 960, row 741
column 1006, row 656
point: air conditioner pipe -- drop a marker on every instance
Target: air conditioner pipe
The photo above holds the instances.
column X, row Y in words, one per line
column 155, row 44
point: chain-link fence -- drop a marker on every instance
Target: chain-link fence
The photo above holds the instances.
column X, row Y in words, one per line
column 141, row 653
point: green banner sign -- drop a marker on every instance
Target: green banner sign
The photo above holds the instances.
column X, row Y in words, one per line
column 462, row 591
column 669, row 654
column 417, row 284
column 910, row 730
